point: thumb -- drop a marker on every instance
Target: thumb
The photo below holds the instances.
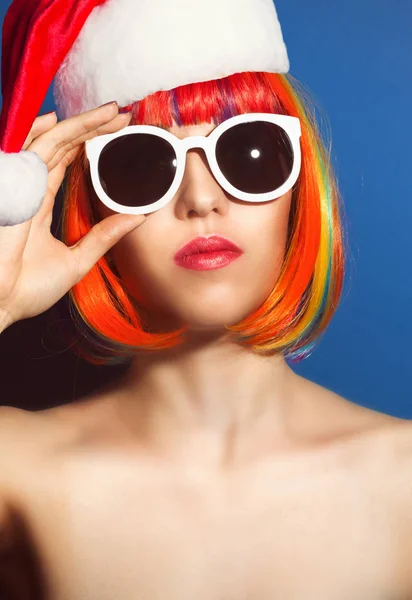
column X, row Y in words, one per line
column 100, row 239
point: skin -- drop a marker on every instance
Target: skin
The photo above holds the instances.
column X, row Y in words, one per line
column 207, row 471
column 211, row 399
column 186, row 386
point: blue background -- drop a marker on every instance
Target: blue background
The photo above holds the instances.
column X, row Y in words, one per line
column 356, row 57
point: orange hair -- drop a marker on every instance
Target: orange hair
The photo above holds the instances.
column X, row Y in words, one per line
column 309, row 287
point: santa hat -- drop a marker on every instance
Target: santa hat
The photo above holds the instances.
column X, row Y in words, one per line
column 124, row 50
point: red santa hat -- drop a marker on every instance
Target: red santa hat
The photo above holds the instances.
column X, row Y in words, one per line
column 102, row 50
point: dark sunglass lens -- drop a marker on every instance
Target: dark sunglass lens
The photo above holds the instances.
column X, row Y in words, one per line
column 255, row 157
column 137, row 169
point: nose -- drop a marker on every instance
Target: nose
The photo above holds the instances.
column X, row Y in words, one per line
column 199, row 193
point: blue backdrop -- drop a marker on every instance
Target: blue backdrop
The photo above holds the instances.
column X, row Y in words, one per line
column 356, row 56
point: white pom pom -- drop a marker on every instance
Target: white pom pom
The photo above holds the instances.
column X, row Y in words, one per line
column 23, row 186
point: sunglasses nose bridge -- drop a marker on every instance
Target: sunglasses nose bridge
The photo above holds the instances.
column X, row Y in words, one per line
column 194, row 141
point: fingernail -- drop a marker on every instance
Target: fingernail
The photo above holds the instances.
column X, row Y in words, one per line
column 49, row 113
column 107, row 103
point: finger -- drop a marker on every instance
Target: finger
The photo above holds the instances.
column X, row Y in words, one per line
column 56, row 176
column 115, row 124
column 12, row 243
column 40, row 125
column 64, row 159
column 100, row 239
column 49, row 143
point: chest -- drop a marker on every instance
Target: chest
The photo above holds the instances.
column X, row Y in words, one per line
column 296, row 531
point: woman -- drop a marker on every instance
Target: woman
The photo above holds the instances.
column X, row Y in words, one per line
column 211, row 469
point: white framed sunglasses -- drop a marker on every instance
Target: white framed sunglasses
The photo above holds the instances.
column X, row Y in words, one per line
column 255, row 157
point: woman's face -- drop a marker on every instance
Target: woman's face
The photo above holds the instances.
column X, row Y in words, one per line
column 207, row 299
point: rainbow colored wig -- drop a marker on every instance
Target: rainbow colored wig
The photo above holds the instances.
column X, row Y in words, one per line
column 307, row 292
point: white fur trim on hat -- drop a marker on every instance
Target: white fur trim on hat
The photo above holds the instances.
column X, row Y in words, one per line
column 23, row 186
column 129, row 49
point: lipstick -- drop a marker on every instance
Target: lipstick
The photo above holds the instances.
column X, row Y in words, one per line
column 203, row 253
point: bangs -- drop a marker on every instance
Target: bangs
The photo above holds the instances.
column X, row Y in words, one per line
column 206, row 102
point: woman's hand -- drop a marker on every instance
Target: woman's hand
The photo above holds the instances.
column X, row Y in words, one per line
column 36, row 269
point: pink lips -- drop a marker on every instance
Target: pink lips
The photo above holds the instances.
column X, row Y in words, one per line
column 204, row 253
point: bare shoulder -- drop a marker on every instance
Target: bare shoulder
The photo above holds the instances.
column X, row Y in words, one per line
column 22, row 436
column 19, row 430
column 382, row 444
column 25, row 437
column 396, row 449
column 15, row 424
column 15, row 428
column 336, row 417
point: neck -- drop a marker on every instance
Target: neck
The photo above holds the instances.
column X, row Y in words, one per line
column 209, row 400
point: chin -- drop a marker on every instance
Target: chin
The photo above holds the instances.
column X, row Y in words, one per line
column 197, row 319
